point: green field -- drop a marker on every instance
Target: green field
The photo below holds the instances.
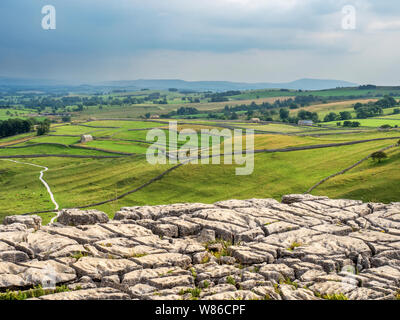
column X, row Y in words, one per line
column 371, row 122
column 84, row 181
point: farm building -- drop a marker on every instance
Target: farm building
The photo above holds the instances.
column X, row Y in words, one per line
column 86, row 138
column 305, row 123
column 256, row 120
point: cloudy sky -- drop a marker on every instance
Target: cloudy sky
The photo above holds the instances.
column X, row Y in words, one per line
column 236, row 40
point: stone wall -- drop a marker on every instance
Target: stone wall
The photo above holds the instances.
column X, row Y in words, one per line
column 304, row 248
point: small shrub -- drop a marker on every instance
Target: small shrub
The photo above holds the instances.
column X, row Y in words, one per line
column 379, row 156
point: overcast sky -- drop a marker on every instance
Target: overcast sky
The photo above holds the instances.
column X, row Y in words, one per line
column 236, row 40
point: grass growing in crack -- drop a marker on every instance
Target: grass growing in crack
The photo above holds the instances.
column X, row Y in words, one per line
column 194, row 274
column 294, row 245
column 223, row 252
column 206, row 284
column 36, row 292
column 137, row 255
column 231, row 280
column 194, row 293
column 276, row 288
column 256, row 269
column 335, row 296
column 289, row 282
column 206, row 259
column 79, row 255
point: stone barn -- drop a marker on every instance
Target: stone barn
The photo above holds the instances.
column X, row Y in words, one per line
column 86, row 138
column 305, row 123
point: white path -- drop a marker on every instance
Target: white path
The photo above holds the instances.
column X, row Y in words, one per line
column 43, row 181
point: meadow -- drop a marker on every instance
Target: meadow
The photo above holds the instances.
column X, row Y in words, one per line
column 89, row 180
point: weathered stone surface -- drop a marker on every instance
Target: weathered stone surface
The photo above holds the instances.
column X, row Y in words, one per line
column 89, row 294
column 306, row 248
column 171, row 282
column 164, row 260
column 13, row 256
column 34, row 272
column 31, row 222
column 44, row 244
column 166, row 230
column 142, row 276
column 96, row 268
column 75, row 217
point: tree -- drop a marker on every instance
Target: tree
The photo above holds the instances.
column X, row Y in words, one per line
column 43, row 127
column 284, row 114
column 66, row 119
column 234, row 116
column 331, row 117
column 147, row 115
column 378, row 156
column 345, row 115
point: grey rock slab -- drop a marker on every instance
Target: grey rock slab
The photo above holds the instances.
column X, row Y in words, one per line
column 127, row 230
column 224, row 230
column 339, row 230
column 268, row 292
column 46, row 272
column 96, row 268
column 186, row 246
column 125, row 248
column 247, row 256
column 143, row 275
column 44, row 244
column 83, row 234
column 75, row 217
column 13, row 256
column 185, row 228
column 68, row 251
column 166, row 230
column 374, row 236
column 232, row 204
column 31, row 222
column 332, row 287
column 235, row 295
column 285, row 271
column 279, row 227
column 171, row 281
column 89, row 294
column 13, row 227
column 140, row 290
column 220, row 288
column 213, row 271
column 164, row 260
column 14, row 236
column 365, row 294
column 293, row 198
column 250, row 235
column 223, row 215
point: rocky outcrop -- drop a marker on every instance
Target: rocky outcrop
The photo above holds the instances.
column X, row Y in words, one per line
column 305, row 248
column 74, row 217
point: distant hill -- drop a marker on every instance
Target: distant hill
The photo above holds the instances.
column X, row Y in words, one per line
column 302, row 84
column 154, row 84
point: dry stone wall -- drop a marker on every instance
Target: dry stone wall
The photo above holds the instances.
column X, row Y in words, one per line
column 303, row 248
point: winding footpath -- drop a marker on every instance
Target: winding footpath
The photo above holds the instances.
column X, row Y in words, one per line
column 44, row 183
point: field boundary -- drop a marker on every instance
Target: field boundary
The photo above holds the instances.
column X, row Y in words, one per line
column 348, row 168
